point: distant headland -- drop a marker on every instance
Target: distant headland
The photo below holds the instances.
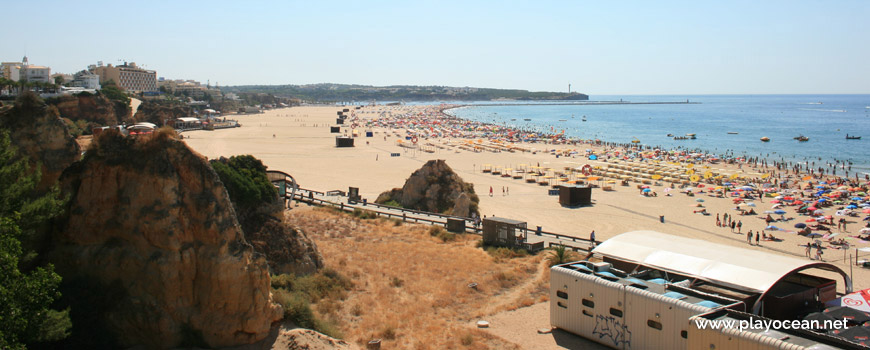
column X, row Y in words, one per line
column 344, row 92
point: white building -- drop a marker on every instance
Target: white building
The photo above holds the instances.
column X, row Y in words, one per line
column 86, row 80
column 34, row 73
column 11, row 70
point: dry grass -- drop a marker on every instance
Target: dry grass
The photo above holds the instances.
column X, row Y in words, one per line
column 411, row 289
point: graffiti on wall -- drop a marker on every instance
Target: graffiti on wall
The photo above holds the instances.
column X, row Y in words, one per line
column 613, row 329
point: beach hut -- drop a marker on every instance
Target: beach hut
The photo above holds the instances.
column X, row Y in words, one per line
column 572, row 196
column 343, row 141
column 503, row 232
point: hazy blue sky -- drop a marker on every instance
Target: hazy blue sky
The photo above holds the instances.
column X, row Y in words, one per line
column 600, row 47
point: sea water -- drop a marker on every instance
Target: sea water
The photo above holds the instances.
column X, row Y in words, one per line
column 724, row 124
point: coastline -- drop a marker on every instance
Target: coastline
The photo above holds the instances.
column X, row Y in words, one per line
column 298, row 141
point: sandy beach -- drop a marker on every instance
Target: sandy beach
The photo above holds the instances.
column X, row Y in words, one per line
column 298, row 141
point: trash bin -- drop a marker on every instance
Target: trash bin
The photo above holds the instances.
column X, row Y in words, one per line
column 538, row 231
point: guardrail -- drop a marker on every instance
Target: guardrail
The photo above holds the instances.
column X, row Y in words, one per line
column 309, row 198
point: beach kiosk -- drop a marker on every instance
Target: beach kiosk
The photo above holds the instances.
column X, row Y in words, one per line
column 572, row 196
column 335, row 129
column 503, row 232
column 343, row 141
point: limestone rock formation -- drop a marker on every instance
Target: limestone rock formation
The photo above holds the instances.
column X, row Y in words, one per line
column 95, row 109
column 159, row 112
column 150, row 219
column 287, row 248
column 38, row 132
column 435, row 188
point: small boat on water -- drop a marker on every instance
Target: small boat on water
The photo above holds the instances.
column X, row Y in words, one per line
column 563, row 120
column 802, row 138
column 584, row 118
column 691, row 136
column 733, row 133
column 527, row 119
column 670, row 135
column 852, row 137
column 635, row 140
column 765, row 139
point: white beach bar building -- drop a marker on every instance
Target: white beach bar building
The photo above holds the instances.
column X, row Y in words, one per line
column 640, row 289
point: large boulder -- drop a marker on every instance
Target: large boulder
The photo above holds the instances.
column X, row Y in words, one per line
column 97, row 110
column 435, row 188
column 161, row 112
column 153, row 234
column 39, row 133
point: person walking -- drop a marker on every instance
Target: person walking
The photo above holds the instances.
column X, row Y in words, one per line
column 757, row 237
column 732, row 226
column 739, row 225
column 490, row 191
column 592, row 238
column 749, row 237
column 718, row 223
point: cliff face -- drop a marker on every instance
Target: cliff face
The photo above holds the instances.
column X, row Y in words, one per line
column 435, row 188
column 158, row 112
column 152, row 219
column 287, row 248
column 98, row 110
column 39, row 133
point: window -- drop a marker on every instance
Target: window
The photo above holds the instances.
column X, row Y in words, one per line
column 654, row 324
column 586, row 313
column 561, row 294
column 684, row 334
column 588, row 303
column 616, row 312
column 562, row 305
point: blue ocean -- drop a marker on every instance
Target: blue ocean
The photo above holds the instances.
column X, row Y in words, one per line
column 724, row 124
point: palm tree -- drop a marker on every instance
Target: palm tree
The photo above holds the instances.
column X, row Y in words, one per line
column 559, row 255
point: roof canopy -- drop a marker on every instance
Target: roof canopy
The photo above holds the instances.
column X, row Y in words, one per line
column 740, row 268
column 188, row 119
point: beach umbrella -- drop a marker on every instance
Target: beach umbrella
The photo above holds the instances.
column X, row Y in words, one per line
column 699, row 200
column 779, row 211
column 646, row 190
column 800, row 225
column 865, row 230
column 812, row 208
column 811, row 220
column 813, row 235
column 866, row 211
column 775, row 201
column 851, row 206
column 771, row 227
column 750, row 204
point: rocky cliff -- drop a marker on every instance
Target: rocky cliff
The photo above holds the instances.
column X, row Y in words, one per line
column 435, row 188
column 159, row 112
column 95, row 109
column 153, row 235
column 39, row 133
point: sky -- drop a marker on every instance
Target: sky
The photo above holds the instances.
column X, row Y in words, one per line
column 599, row 47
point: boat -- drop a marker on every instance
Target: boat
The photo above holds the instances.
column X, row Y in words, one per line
column 584, row 118
column 802, row 138
column 691, row 136
column 563, row 120
column 765, row 139
column 733, row 133
column 527, row 119
column 514, row 119
column 635, row 140
column 670, row 135
column 852, row 137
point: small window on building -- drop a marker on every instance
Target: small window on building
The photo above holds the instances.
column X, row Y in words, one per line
column 588, row 303
column 586, row 313
column 684, row 334
column 654, row 324
column 561, row 294
column 616, row 312
column 562, row 305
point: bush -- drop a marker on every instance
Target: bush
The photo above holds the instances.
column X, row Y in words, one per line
column 283, row 281
column 296, row 308
column 364, row 214
column 393, row 203
column 504, row 253
column 396, row 282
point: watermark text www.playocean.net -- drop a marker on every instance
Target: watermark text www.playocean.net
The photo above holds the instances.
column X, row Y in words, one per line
column 759, row 324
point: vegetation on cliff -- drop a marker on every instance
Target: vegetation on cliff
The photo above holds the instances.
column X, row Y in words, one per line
column 26, row 289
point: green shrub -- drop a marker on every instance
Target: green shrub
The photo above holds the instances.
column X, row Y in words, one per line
column 393, row 203
column 504, row 253
column 364, row 214
column 283, row 281
column 296, row 308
